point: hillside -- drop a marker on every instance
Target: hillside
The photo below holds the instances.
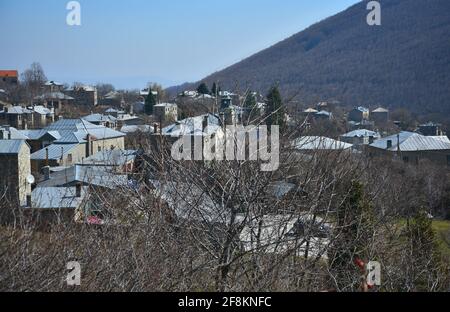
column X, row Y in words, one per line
column 405, row 62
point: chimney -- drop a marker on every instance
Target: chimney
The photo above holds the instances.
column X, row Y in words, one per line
column 222, row 119
column 88, row 145
column 78, row 190
column 46, row 156
column 46, row 173
column 60, row 117
column 204, row 123
column 389, row 144
column 29, row 201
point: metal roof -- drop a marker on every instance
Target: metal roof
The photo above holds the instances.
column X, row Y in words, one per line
column 381, row 110
column 11, row 147
column 57, row 198
column 319, row 143
column 193, row 126
column 55, row 151
column 88, row 175
column 99, row 118
column 410, row 142
column 15, row 134
column 360, row 133
column 113, row 157
column 53, row 96
column 76, row 131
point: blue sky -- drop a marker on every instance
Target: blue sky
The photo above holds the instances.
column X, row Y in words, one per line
column 132, row 42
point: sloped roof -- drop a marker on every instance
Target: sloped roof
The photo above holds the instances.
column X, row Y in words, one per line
column 53, row 96
column 361, row 109
column 11, row 147
column 89, row 175
column 57, row 198
column 189, row 202
column 360, row 133
column 319, row 143
column 42, row 110
column 99, row 118
column 15, row 134
column 113, row 157
column 37, row 134
column 55, row 151
column 9, row 73
column 310, row 111
column 136, row 128
column 411, row 142
column 18, row 110
column 193, row 126
column 381, row 110
column 76, row 131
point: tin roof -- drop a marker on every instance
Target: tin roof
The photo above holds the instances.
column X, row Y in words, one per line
column 11, row 147
column 410, row 142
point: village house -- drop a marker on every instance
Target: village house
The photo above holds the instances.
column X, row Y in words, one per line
column 117, row 160
column 360, row 137
column 318, row 143
column 102, row 120
column 54, row 101
column 113, row 98
column 380, row 115
column 84, row 95
column 9, row 78
column 413, row 147
column 50, row 205
column 358, row 114
column 431, row 129
column 18, row 117
column 53, row 86
column 15, row 171
column 166, row 112
column 78, row 139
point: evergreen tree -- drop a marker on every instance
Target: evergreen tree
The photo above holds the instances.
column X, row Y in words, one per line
column 354, row 223
column 214, row 90
column 150, row 102
column 425, row 260
column 275, row 111
column 203, row 88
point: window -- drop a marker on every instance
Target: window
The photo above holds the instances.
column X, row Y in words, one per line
column 69, row 158
column 99, row 149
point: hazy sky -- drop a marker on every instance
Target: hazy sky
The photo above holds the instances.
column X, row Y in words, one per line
column 132, row 42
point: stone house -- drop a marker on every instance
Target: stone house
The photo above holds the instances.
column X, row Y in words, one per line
column 15, row 171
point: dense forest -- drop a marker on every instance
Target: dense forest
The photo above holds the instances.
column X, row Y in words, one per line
column 402, row 63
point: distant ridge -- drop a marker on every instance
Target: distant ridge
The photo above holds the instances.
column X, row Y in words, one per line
column 405, row 62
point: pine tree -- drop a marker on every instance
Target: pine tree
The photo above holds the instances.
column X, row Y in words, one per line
column 203, row 88
column 275, row 111
column 354, row 223
column 425, row 261
column 150, row 102
column 214, row 90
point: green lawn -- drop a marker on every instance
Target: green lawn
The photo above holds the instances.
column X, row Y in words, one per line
column 442, row 229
